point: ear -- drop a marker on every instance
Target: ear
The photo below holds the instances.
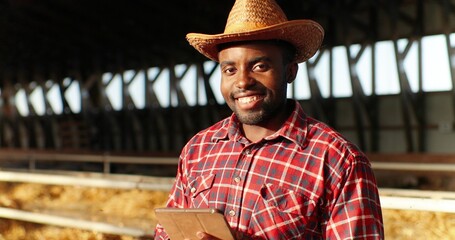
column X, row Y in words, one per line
column 291, row 72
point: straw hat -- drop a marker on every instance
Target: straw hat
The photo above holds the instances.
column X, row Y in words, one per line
column 261, row 20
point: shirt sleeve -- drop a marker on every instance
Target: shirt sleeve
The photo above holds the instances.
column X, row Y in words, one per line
column 160, row 234
column 176, row 200
column 355, row 212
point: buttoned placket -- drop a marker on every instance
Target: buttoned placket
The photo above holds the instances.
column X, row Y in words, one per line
column 243, row 164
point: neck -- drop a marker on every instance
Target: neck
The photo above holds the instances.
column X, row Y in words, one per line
column 255, row 133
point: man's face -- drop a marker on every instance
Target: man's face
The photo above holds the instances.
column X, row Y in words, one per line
column 254, row 81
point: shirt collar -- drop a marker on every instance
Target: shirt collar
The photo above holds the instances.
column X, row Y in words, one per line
column 294, row 129
column 229, row 130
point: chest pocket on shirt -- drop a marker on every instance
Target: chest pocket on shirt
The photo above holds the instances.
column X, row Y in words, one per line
column 198, row 190
column 281, row 213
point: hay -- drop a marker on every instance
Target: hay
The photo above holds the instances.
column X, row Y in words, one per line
column 407, row 224
column 16, row 230
column 134, row 208
column 130, row 208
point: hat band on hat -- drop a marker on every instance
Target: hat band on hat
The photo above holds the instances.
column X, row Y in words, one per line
column 244, row 26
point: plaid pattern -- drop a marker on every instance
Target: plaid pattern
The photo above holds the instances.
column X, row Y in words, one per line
column 303, row 182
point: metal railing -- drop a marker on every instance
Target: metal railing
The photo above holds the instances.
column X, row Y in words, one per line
column 31, row 157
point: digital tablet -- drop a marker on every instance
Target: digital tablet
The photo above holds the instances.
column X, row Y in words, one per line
column 184, row 223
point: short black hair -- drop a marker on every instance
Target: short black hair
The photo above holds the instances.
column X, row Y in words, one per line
column 289, row 50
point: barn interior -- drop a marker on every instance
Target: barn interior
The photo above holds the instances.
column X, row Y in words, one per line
column 113, row 87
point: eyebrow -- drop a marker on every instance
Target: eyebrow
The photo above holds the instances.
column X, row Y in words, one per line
column 260, row 59
column 252, row 61
column 226, row 63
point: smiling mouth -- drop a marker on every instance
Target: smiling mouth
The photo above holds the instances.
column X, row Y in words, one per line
column 246, row 100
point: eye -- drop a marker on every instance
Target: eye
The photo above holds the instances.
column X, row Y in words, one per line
column 260, row 67
column 229, row 70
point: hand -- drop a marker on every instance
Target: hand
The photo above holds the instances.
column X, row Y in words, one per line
column 205, row 236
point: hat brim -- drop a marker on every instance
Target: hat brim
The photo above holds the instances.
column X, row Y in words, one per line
column 305, row 35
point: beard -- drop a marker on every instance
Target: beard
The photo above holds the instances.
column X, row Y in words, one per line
column 252, row 117
column 257, row 116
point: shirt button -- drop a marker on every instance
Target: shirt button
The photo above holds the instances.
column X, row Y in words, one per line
column 237, row 179
column 232, row 213
column 193, row 190
column 248, row 152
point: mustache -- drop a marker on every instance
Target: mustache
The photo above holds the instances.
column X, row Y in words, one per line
column 256, row 89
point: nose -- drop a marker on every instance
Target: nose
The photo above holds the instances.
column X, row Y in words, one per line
column 244, row 80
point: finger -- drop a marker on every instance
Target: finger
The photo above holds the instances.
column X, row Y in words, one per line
column 204, row 236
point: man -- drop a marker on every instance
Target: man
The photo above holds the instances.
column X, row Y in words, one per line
column 275, row 172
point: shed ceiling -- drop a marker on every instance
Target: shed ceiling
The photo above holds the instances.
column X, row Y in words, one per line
column 63, row 36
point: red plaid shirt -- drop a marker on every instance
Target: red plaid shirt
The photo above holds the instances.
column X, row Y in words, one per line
column 304, row 182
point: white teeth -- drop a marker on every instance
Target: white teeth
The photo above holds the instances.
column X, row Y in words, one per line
column 248, row 99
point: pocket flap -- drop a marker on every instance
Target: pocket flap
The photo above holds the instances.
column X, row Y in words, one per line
column 286, row 200
column 200, row 184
